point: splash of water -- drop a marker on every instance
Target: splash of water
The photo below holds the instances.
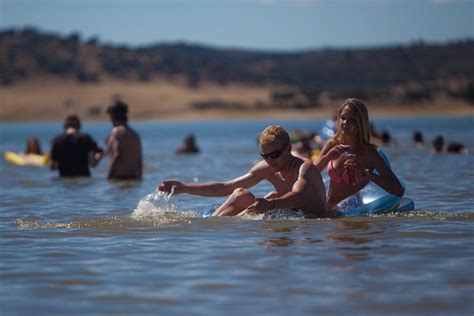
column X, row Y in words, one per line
column 156, row 209
column 153, row 206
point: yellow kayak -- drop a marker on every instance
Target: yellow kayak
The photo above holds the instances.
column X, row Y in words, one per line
column 19, row 159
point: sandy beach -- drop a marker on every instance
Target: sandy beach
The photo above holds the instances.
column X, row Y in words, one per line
column 50, row 98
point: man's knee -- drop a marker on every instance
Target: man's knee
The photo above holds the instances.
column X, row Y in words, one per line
column 243, row 195
column 239, row 200
column 240, row 192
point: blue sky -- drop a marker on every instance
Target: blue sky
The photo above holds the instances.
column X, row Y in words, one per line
column 254, row 24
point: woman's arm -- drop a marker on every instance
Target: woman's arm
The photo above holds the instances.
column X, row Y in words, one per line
column 386, row 178
column 329, row 152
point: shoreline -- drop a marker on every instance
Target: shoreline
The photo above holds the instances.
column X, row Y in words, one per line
column 229, row 115
column 51, row 99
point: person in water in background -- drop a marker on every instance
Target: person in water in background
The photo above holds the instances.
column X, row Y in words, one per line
column 189, row 146
column 351, row 158
column 298, row 184
column 306, row 144
column 451, row 148
column 418, row 139
column 123, row 145
column 72, row 152
column 456, row 148
column 438, row 144
column 302, row 149
column 375, row 137
column 33, row 146
column 387, row 138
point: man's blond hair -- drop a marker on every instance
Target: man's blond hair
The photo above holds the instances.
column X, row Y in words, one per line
column 274, row 133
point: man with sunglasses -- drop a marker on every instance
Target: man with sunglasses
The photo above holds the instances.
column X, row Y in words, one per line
column 297, row 182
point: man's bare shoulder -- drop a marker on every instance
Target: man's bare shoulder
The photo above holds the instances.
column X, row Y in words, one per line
column 262, row 169
column 122, row 130
column 119, row 130
column 307, row 167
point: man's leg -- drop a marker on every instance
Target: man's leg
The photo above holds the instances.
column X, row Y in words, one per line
column 238, row 201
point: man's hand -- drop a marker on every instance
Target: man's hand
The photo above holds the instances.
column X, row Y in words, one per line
column 260, row 205
column 171, row 185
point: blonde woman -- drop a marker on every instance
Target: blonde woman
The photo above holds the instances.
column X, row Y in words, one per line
column 351, row 158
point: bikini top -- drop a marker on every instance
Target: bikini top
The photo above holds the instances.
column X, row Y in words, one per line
column 345, row 176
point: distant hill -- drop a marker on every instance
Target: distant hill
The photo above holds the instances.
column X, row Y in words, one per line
column 28, row 53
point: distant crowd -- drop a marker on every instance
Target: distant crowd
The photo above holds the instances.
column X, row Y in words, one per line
column 308, row 144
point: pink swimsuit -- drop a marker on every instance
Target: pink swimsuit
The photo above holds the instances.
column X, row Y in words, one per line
column 345, row 177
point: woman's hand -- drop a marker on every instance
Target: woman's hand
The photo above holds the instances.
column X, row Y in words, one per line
column 352, row 163
column 335, row 152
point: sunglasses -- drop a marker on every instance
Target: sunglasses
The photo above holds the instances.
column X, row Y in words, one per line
column 274, row 154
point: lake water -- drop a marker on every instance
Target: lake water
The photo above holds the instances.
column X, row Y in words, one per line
column 76, row 246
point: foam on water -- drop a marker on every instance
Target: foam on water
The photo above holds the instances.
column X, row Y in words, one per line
column 113, row 222
column 154, row 209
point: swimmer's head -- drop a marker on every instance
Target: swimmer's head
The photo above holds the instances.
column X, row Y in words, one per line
column 118, row 111
column 72, row 121
column 274, row 134
column 33, row 146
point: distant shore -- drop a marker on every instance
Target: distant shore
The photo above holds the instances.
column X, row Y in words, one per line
column 48, row 99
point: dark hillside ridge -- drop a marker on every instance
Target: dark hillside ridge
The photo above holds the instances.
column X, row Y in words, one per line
column 28, row 53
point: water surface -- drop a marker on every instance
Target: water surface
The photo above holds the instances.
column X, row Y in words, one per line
column 79, row 246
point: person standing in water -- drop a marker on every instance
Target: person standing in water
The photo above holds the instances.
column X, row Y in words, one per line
column 351, row 158
column 298, row 184
column 123, row 145
column 72, row 152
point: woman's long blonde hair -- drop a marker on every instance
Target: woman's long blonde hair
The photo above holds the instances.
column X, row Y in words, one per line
column 362, row 120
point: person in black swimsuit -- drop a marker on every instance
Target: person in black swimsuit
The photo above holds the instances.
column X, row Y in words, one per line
column 72, row 151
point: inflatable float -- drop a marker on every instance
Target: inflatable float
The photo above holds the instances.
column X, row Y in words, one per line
column 371, row 200
column 19, row 159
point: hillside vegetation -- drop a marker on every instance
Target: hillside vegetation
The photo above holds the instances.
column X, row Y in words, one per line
column 404, row 74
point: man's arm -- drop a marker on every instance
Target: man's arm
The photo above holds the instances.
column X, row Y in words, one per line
column 94, row 152
column 112, row 151
column 95, row 157
column 246, row 181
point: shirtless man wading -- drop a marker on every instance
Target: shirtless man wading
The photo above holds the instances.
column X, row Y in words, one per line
column 297, row 182
column 123, row 145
